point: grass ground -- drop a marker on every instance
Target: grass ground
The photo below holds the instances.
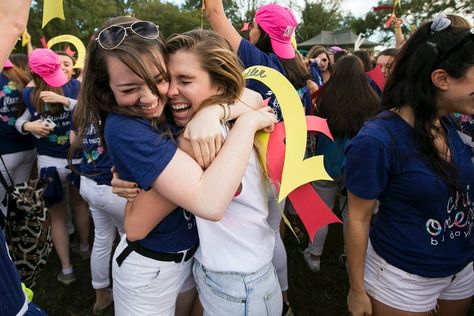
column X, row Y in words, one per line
column 310, row 294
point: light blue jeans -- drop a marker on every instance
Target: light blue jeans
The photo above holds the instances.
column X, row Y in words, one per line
column 236, row 294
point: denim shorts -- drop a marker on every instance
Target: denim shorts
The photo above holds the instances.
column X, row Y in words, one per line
column 410, row 292
column 239, row 294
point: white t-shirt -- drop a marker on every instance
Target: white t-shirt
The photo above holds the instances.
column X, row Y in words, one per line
column 243, row 240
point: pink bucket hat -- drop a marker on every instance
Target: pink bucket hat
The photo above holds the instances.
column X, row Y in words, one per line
column 8, row 64
column 46, row 64
column 280, row 25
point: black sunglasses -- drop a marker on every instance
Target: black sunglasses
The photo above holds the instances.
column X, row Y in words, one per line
column 456, row 45
column 112, row 36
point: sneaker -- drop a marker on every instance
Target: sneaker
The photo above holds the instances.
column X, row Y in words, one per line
column 287, row 310
column 313, row 264
column 84, row 254
column 98, row 309
column 66, row 279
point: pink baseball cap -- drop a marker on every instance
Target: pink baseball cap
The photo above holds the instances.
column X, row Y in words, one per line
column 8, row 64
column 280, row 24
column 46, row 64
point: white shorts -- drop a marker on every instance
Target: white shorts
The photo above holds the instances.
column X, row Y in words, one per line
column 410, row 292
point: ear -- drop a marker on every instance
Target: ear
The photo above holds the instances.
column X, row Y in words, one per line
column 439, row 77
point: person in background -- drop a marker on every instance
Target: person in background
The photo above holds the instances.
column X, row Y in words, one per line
column 417, row 257
column 13, row 20
column 346, row 101
column 47, row 118
column 17, row 150
column 320, row 57
column 385, row 61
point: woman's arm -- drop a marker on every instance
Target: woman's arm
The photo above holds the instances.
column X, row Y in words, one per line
column 219, row 22
column 204, row 130
column 357, row 236
column 13, row 21
column 148, row 208
column 208, row 193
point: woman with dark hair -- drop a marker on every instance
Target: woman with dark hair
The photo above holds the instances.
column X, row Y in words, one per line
column 124, row 94
column 346, row 101
column 419, row 256
column 17, row 150
column 365, row 58
column 319, row 57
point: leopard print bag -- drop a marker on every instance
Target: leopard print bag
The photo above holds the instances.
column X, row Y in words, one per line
column 27, row 227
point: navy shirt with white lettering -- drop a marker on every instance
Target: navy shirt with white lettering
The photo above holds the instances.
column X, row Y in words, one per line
column 57, row 143
column 11, row 141
column 423, row 226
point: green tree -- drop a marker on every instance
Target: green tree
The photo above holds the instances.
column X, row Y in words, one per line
column 412, row 12
column 317, row 16
column 82, row 18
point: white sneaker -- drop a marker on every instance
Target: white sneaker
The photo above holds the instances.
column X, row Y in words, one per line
column 313, row 264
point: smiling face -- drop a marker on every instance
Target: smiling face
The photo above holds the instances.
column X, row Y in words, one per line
column 190, row 85
column 67, row 65
column 132, row 92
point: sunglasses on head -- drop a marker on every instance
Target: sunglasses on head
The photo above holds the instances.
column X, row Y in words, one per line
column 112, row 36
column 456, row 45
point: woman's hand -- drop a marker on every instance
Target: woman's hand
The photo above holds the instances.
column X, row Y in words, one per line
column 262, row 119
column 359, row 303
column 52, row 97
column 204, row 133
column 37, row 128
column 125, row 189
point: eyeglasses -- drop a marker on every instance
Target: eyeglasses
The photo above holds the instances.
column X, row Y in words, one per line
column 111, row 37
column 456, row 45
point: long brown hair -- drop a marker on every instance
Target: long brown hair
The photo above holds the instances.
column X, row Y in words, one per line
column 96, row 99
column 347, row 99
column 21, row 78
column 40, row 105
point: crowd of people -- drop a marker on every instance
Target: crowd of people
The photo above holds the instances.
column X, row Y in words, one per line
column 154, row 140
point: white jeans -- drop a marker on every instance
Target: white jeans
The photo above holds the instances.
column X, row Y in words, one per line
column 144, row 286
column 19, row 167
column 107, row 211
column 279, row 259
column 327, row 190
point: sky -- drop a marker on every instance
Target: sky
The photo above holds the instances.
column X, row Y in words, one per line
column 358, row 8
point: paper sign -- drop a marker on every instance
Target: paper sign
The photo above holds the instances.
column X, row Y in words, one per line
column 43, row 42
column 52, row 9
column 81, row 49
column 297, row 170
column 25, row 38
column 284, row 160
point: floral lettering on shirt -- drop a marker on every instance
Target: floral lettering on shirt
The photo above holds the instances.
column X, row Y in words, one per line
column 459, row 221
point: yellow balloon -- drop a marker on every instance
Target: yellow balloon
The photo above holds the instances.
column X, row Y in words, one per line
column 296, row 170
column 67, row 38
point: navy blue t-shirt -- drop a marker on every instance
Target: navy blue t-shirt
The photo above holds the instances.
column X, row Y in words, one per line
column 96, row 161
column 422, row 226
column 11, row 141
column 140, row 152
column 12, row 297
column 251, row 56
column 57, row 143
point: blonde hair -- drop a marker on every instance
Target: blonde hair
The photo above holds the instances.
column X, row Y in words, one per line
column 217, row 59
